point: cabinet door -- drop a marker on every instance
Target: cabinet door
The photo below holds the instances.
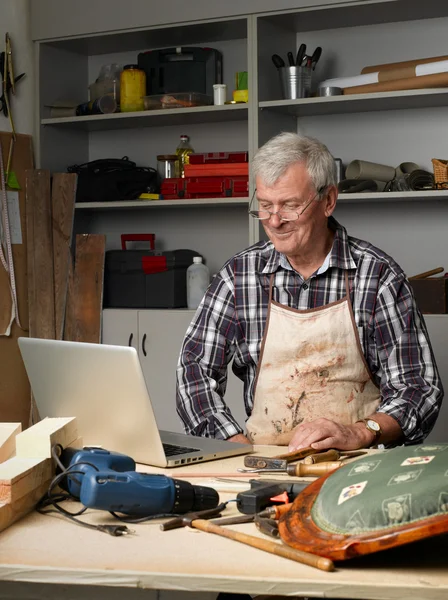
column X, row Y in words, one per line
column 160, row 337
column 120, row 327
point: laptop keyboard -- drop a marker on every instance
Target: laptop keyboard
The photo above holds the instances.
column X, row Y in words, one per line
column 171, row 450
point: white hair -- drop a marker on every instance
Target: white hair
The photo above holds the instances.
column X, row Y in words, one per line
column 285, row 149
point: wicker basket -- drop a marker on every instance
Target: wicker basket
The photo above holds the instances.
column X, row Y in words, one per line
column 440, row 173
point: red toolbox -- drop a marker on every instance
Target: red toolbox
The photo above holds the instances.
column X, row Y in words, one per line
column 217, row 170
column 210, row 158
column 204, row 187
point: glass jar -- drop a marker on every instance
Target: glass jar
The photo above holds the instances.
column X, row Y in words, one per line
column 167, row 166
column 132, row 88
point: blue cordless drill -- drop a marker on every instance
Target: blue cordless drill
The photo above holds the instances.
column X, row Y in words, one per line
column 108, row 481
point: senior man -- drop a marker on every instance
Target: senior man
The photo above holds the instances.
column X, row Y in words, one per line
column 323, row 328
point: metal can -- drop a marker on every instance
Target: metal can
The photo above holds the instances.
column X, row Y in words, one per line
column 132, row 88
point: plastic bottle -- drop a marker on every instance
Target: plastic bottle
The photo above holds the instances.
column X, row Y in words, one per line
column 183, row 151
column 198, row 279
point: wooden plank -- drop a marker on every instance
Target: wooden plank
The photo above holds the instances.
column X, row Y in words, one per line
column 12, row 512
column 40, row 254
column 20, row 476
column 63, row 209
column 86, row 295
column 37, row 441
column 8, row 432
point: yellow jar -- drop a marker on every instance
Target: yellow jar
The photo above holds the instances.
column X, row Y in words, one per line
column 132, row 88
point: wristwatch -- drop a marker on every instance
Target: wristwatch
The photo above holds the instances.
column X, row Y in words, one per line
column 374, row 427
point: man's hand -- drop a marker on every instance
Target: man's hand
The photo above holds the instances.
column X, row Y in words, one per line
column 322, row 434
column 240, row 438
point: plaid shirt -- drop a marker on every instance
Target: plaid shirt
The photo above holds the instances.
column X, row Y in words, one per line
column 230, row 323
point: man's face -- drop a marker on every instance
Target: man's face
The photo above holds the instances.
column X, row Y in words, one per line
column 292, row 192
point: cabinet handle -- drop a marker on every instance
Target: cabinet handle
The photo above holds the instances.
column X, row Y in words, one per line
column 130, row 339
column 143, row 345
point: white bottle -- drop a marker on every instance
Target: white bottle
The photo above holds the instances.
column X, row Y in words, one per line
column 198, row 279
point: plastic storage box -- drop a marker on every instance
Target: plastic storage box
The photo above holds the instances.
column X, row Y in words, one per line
column 144, row 279
column 177, row 100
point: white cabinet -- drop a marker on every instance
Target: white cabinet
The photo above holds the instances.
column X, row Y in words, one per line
column 157, row 335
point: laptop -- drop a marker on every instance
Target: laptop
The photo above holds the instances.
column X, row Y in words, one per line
column 103, row 386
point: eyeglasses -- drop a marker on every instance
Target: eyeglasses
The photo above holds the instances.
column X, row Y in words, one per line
column 283, row 215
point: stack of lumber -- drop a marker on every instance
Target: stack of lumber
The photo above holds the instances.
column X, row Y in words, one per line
column 26, row 466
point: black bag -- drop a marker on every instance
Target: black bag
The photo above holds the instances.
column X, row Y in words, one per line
column 112, row 179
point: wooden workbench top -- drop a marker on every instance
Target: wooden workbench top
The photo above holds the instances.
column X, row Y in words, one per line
column 51, row 549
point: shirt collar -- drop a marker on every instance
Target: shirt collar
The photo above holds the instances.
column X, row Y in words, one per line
column 339, row 256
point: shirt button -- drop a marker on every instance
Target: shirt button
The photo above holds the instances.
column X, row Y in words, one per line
column 305, row 286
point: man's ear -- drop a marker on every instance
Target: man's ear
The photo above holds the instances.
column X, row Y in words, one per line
column 330, row 200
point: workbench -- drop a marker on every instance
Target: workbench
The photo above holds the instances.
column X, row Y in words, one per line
column 51, row 557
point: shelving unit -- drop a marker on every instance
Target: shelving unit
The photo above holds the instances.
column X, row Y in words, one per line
column 355, row 103
column 154, row 204
column 388, row 128
column 153, row 118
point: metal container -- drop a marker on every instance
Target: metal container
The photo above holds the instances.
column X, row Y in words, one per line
column 167, row 166
column 295, row 82
column 329, row 91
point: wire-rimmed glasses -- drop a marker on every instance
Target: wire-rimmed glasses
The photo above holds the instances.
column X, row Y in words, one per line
column 283, row 215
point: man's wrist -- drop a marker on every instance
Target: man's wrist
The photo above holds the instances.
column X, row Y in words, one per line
column 367, row 437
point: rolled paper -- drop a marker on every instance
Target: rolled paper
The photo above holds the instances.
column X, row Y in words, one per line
column 363, row 169
column 411, row 83
column 403, row 64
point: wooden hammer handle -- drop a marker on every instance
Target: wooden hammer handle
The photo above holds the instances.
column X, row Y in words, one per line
column 306, row 558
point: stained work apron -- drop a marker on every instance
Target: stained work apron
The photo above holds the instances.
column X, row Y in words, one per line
column 311, row 366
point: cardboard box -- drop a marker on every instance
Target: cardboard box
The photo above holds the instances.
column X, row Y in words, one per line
column 431, row 295
column 15, row 395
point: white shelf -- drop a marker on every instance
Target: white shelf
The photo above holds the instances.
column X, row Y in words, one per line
column 153, row 118
column 368, row 197
column 354, row 103
column 372, row 197
column 148, row 204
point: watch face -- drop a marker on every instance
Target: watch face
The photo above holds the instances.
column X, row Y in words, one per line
column 372, row 425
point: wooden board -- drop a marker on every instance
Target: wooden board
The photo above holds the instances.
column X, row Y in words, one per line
column 63, row 209
column 40, row 254
column 37, row 441
column 8, row 432
column 85, row 301
column 9, row 513
column 21, row 476
column 14, row 385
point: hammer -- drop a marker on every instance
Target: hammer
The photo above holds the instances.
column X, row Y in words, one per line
column 306, row 558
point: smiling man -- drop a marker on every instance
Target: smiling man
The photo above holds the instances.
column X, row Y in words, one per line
column 322, row 328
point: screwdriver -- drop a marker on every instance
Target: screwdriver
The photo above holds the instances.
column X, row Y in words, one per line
column 300, row 469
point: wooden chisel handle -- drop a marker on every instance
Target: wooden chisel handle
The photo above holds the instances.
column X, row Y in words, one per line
column 297, row 454
column 306, row 558
column 322, row 457
column 301, row 470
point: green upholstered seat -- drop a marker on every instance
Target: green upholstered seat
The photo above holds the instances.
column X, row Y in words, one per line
column 385, row 490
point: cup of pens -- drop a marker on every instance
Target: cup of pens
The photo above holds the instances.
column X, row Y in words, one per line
column 295, row 82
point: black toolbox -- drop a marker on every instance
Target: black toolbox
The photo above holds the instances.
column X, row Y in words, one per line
column 188, row 69
column 146, row 279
